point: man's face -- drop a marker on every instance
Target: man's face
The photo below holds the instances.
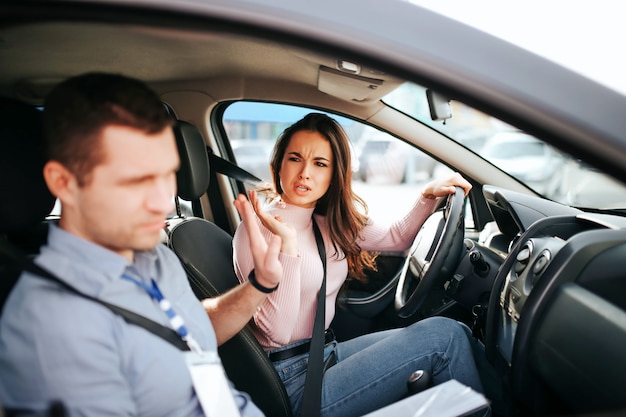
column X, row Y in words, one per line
column 124, row 204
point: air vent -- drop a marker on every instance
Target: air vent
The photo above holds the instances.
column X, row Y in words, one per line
column 539, row 266
column 523, row 257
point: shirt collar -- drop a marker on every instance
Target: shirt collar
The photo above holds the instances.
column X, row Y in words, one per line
column 298, row 217
column 95, row 256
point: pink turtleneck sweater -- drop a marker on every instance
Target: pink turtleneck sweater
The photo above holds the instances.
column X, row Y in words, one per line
column 288, row 313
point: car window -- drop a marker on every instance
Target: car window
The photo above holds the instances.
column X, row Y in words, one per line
column 538, row 165
column 384, row 168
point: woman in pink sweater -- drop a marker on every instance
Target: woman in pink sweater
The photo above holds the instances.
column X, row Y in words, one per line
column 312, row 179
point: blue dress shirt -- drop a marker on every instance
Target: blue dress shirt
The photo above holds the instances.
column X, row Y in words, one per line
column 56, row 345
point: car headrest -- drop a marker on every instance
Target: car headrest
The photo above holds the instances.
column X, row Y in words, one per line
column 193, row 176
column 26, row 200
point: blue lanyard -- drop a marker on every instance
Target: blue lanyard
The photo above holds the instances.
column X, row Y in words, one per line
column 176, row 321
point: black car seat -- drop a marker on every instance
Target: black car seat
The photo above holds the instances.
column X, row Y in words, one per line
column 205, row 251
column 26, row 201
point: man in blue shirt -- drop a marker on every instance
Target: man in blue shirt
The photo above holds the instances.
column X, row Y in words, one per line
column 113, row 163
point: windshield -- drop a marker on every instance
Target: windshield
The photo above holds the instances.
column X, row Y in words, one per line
column 538, row 165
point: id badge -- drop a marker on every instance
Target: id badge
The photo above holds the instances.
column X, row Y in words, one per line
column 211, row 385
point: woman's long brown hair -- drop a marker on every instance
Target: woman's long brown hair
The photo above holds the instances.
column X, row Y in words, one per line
column 346, row 212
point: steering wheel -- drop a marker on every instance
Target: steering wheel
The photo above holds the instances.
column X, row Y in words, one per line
column 433, row 257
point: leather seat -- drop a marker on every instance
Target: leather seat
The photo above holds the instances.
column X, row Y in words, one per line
column 205, row 251
column 26, row 200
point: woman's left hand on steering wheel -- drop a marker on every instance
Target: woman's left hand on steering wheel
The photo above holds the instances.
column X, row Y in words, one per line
column 446, row 186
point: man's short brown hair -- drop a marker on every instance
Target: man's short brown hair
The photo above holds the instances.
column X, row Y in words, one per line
column 79, row 108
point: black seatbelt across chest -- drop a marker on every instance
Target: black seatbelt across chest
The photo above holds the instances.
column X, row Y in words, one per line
column 24, row 263
column 312, row 396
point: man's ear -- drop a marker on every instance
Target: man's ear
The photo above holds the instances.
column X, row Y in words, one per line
column 60, row 181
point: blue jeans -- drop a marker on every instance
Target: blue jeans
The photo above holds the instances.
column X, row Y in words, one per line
column 372, row 370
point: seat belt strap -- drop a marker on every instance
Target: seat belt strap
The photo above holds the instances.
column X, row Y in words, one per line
column 224, row 166
column 25, row 264
column 312, row 396
column 219, row 165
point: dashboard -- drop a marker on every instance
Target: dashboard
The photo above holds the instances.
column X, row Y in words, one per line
column 556, row 319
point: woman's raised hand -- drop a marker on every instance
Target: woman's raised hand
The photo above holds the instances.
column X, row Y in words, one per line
column 277, row 226
column 267, row 267
column 443, row 187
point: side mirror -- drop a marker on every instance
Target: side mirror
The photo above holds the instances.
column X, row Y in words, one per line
column 439, row 106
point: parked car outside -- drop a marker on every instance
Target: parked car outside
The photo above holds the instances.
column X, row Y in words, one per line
column 582, row 185
column 384, row 159
column 254, row 156
column 529, row 160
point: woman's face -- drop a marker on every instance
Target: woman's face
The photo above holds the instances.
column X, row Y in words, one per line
column 306, row 169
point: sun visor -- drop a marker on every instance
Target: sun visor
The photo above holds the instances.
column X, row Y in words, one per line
column 349, row 87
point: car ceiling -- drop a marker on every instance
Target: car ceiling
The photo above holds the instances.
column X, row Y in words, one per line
column 43, row 54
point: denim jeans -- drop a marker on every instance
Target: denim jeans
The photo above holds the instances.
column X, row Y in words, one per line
column 372, row 370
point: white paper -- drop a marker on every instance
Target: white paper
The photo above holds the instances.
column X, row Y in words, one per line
column 449, row 399
column 211, row 385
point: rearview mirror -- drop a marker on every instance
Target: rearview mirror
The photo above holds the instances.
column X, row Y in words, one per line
column 439, row 106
